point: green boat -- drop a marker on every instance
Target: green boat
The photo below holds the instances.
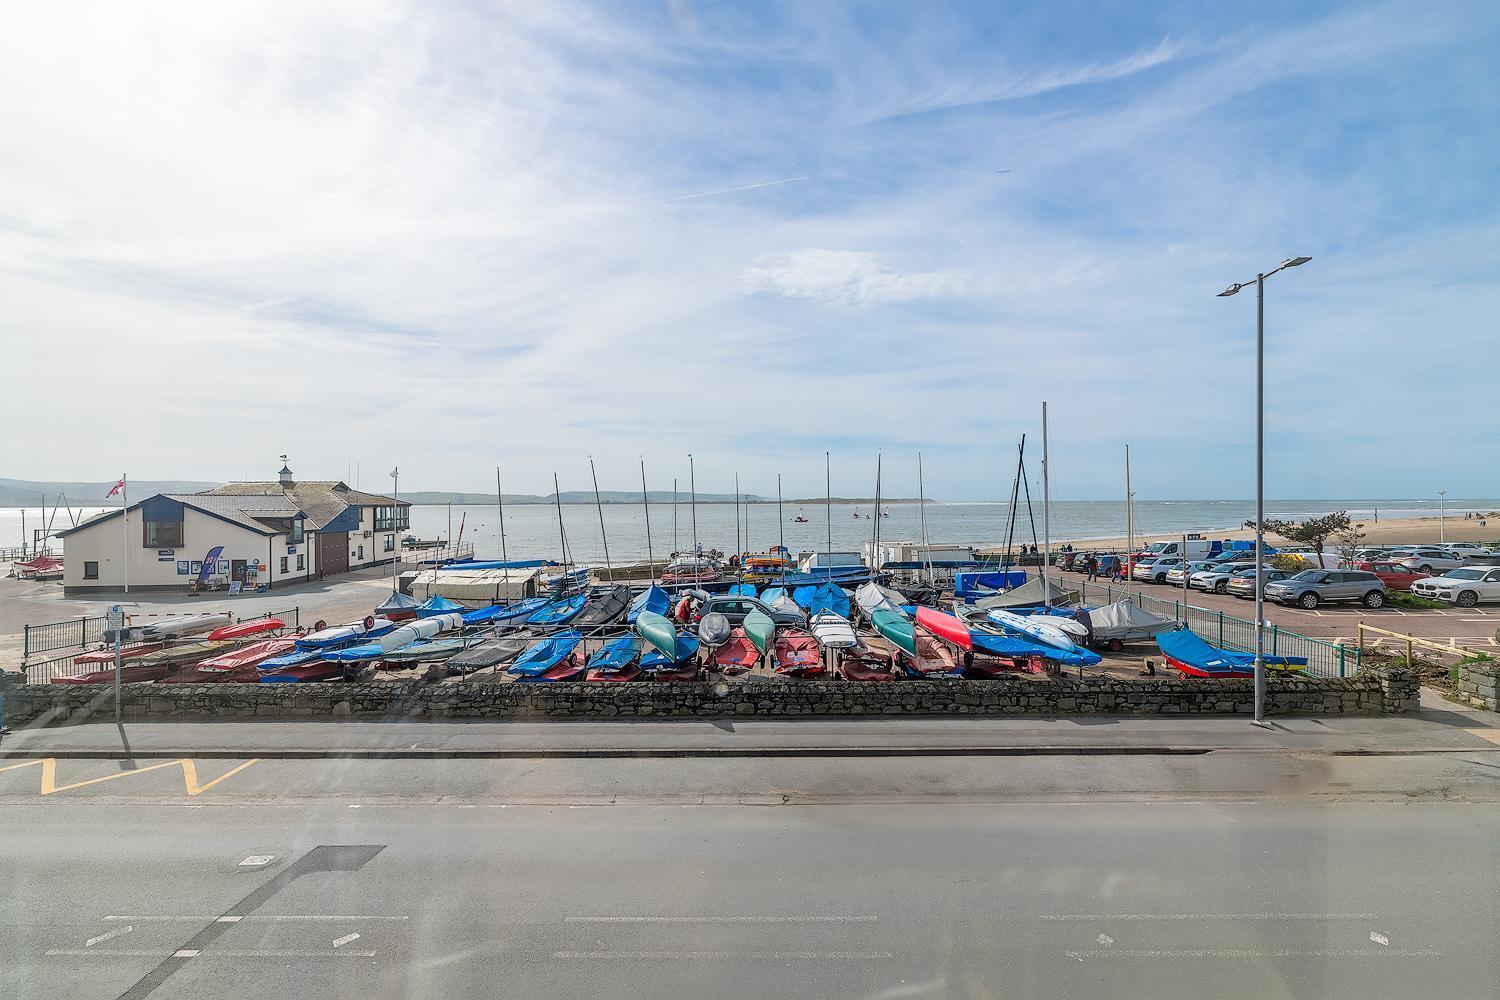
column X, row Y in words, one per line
column 659, row 631
column 896, row 628
column 760, row 629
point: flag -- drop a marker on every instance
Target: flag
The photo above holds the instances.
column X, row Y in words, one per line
column 118, row 488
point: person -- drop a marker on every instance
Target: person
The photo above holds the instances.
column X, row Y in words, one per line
column 1091, row 566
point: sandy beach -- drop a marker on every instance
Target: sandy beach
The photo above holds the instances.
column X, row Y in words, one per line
column 1397, row 531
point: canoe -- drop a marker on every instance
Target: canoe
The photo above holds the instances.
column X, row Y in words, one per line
column 1193, row 657
column 933, row 658
column 437, row 605
column 1034, row 627
column 491, row 653
column 760, row 629
column 240, row 630
column 714, row 630
column 559, row 612
column 398, row 607
column 872, row 597
column 945, row 626
column 686, row 649
column 652, row 599
column 183, row 625
column 742, row 590
column 896, row 628
column 795, row 654
column 827, row 597
column 397, row 638
column 832, row 631
column 604, row 606
column 615, row 656
column 737, row 655
column 546, row 654
column 658, row 631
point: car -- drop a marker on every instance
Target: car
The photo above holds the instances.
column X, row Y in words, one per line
column 1154, row 570
column 1395, row 576
column 1313, row 587
column 735, row 608
column 1242, row 584
column 1371, row 554
column 1425, row 558
column 1217, row 578
column 1176, row 573
column 1465, row 587
column 1239, row 555
column 1465, row 549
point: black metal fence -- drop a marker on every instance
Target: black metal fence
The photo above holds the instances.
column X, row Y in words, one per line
column 61, row 635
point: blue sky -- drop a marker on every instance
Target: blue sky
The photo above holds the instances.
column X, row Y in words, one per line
column 450, row 237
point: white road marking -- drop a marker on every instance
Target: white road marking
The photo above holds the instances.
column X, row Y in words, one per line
column 109, row 934
column 1105, row 939
column 1380, row 939
column 229, row 920
column 268, row 916
column 185, row 953
column 340, row 942
column 210, row 953
column 690, row 955
column 1166, row 953
column 257, row 860
column 811, row 919
column 1206, row 916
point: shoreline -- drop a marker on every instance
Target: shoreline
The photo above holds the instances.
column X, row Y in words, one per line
column 1396, row 531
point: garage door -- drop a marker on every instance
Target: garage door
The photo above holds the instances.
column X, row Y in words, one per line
column 333, row 552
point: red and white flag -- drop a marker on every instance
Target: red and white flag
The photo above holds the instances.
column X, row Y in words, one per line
column 119, row 488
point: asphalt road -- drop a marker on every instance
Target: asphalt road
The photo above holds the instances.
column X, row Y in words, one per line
column 1266, row 874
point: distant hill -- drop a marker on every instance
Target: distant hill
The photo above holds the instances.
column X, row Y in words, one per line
column 29, row 493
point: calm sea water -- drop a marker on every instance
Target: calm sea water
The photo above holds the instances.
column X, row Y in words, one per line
column 532, row 531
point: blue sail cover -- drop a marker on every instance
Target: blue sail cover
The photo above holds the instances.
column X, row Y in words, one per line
column 686, row 649
column 742, row 590
column 436, row 605
column 559, row 612
column 652, row 599
column 616, row 655
column 828, row 597
column 546, row 654
column 1017, row 648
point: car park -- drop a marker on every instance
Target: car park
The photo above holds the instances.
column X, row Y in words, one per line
column 1425, row 558
column 1216, row 579
column 1155, row 570
column 1466, row 587
column 1313, row 587
column 1395, row 576
column 1465, row 549
column 1242, row 583
column 1176, row 573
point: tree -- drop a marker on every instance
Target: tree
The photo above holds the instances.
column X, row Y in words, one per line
column 1350, row 539
column 1315, row 531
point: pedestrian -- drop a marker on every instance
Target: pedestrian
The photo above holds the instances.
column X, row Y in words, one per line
column 1091, row 565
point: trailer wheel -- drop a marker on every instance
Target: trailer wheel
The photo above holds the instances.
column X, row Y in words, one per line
column 1115, row 645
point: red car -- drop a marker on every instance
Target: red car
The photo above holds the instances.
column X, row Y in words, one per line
column 1393, row 575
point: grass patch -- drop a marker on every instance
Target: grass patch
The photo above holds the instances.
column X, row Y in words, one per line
column 1411, row 602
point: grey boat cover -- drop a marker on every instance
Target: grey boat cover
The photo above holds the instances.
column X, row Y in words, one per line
column 1029, row 594
column 872, row 597
column 1127, row 620
column 491, row 653
column 714, row 630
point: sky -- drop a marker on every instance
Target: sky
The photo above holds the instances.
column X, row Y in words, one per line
column 450, row 237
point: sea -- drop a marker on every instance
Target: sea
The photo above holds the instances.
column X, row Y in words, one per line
column 531, row 531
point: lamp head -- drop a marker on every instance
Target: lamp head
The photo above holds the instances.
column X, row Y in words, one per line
column 1295, row 261
column 1230, row 290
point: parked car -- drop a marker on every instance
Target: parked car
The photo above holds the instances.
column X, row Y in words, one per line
column 1216, row 578
column 1465, row 549
column 1371, row 554
column 1395, row 576
column 1155, row 570
column 1239, row 555
column 1425, row 558
column 1313, row 587
column 1242, row 584
column 735, row 608
column 1176, row 573
column 1465, row 587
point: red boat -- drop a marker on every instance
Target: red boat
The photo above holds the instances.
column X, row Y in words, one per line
column 737, row 655
column 139, row 672
column 570, row 669
column 866, row 664
column 796, row 654
column 240, row 630
column 108, row 655
column 945, row 626
column 627, row 673
column 934, row 658
column 236, row 667
column 307, row 673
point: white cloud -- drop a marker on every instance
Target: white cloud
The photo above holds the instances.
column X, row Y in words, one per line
column 847, row 277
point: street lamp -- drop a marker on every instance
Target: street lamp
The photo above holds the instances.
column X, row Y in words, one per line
column 1442, row 517
column 396, row 554
column 1260, row 474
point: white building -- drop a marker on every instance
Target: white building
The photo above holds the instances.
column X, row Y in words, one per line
column 254, row 533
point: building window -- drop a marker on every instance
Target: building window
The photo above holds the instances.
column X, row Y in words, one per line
column 392, row 518
column 361, row 555
column 91, row 571
column 162, row 534
column 390, row 543
column 283, row 565
column 301, row 562
column 294, row 536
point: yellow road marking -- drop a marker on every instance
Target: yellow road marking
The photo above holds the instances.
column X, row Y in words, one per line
column 49, row 785
column 1488, row 735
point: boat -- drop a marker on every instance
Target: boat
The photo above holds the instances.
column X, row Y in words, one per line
column 382, row 646
column 895, row 628
column 555, row 658
column 832, row 631
column 760, row 629
column 657, row 630
column 398, row 607
column 425, row 651
column 653, row 599
column 439, row 605
column 237, row 665
column 1193, row 657
column 714, row 630
column 179, row 626
column 616, row 661
column 1035, row 627
column 1124, row 621
column 484, row 616
column 515, row 614
column 795, row 654
column 1031, row 594
column 825, row 597
column 176, row 656
column 568, row 582
column 872, row 597
column 559, row 612
column 799, row 519
column 686, row 572
column 742, row 590
column 777, row 599
column 866, row 664
column 108, row 655
column 241, row 630
column 604, row 606
column 295, row 658
column 305, row 673
column 991, row 639
column 491, row 653
column 946, row 627
column 737, row 654
column 128, row 674
column 933, row 657
column 680, row 664
column 339, row 635
column 765, row 568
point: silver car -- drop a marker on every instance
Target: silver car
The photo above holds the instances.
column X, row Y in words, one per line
column 1426, row 558
column 1313, row 587
column 1216, row 579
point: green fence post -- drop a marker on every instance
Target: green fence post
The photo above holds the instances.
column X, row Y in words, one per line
column 1221, row 630
column 1274, row 634
column 1341, row 659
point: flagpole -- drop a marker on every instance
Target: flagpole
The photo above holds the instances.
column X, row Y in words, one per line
column 125, row 519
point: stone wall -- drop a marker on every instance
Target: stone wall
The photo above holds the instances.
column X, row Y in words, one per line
column 1477, row 685
column 1370, row 693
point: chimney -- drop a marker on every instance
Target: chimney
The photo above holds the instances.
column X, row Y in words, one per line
column 285, row 474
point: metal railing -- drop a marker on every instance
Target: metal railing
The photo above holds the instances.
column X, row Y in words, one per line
column 1324, row 658
column 463, row 550
column 61, row 635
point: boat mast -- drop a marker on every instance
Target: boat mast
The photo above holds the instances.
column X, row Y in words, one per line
column 739, row 547
column 646, row 505
column 674, row 515
column 780, row 524
column 693, row 494
column 875, row 529
column 561, row 537
column 828, row 509
column 1046, row 514
column 1129, row 526
column 922, row 508
column 609, row 567
column 500, row 503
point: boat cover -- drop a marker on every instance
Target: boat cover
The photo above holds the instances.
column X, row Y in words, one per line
column 605, row 605
column 491, row 653
column 714, row 629
column 832, row 631
column 397, row 604
column 872, row 597
column 1190, row 650
column 439, row 605
column 1029, row 594
column 652, row 599
column 1016, row 648
column 1126, row 620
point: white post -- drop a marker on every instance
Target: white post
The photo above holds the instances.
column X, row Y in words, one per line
column 396, row 532
column 1046, row 516
column 125, row 519
column 1129, row 566
column 1443, row 517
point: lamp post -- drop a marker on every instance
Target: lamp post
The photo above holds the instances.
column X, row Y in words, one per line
column 1260, row 475
column 1443, row 517
column 395, row 519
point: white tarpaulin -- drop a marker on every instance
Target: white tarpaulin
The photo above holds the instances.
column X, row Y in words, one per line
column 476, row 587
column 1029, row 594
column 1127, row 620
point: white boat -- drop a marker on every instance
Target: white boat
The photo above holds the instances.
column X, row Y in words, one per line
column 832, row 631
column 341, row 633
column 415, row 631
column 785, row 603
column 182, row 625
column 1032, row 627
column 872, row 597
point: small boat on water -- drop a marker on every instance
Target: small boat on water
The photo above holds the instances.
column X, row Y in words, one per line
column 737, row 655
column 241, row 630
column 795, row 654
column 556, row 658
column 652, row 599
column 604, row 606
column 799, row 519
column 559, row 612
column 398, row 607
column 616, row 660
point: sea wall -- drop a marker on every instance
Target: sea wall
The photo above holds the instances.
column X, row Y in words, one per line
column 1369, row 693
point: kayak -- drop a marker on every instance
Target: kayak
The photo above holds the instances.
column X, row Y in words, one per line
column 896, row 628
column 240, row 630
column 658, row 631
column 760, row 629
column 559, row 612
column 737, row 655
column 832, row 631
column 546, row 654
column 182, row 625
column 652, row 599
column 605, row 605
column 872, row 597
column 945, row 626
column 714, row 630
column 1033, row 627
column 796, row 654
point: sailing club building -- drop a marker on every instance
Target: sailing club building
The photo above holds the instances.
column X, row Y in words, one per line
column 264, row 533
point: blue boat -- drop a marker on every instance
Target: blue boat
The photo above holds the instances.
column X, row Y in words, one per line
column 652, row 599
column 616, row 655
column 1014, row 647
column 436, row 605
column 296, row 658
column 510, row 614
column 1194, row 657
column 687, row 648
column 742, row 590
column 559, row 612
column 771, row 595
column 546, row 654
column 827, row 597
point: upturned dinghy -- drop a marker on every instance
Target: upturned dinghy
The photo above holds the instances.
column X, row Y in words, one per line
column 555, row 658
column 616, row 661
column 795, row 654
column 737, row 655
